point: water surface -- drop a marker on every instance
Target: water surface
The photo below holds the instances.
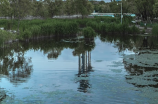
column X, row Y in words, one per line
column 51, row 72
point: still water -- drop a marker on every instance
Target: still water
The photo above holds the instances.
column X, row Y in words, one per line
column 76, row 72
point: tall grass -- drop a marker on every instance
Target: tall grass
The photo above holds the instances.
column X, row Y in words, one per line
column 155, row 30
column 50, row 28
column 6, row 36
column 68, row 27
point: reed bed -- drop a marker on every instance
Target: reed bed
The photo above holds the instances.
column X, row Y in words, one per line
column 6, row 36
column 69, row 27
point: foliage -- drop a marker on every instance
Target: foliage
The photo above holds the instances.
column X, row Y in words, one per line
column 88, row 32
column 70, row 7
column 39, row 9
column 155, row 30
column 134, row 30
column 145, row 8
column 49, row 28
column 5, row 36
column 54, row 7
column 5, row 8
column 84, row 7
column 155, row 8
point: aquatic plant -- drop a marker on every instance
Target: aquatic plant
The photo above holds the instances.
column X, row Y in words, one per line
column 50, row 28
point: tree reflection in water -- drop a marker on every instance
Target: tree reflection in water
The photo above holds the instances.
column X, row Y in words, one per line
column 83, row 71
column 83, row 51
column 14, row 64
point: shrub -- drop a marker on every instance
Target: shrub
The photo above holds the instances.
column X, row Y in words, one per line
column 88, row 32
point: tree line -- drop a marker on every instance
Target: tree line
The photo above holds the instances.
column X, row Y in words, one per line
column 49, row 8
column 44, row 8
column 146, row 9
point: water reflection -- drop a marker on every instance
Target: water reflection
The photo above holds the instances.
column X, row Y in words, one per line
column 2, row 94
column 85, row 67
column 142, row 66
column 58, row 84
column 122, row 42
column 16, row 67
column 84, row 64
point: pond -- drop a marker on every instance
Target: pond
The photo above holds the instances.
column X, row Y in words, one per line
column 76, row 71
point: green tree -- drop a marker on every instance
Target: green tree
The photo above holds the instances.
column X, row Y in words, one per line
column 83, row 7
column 5, row 8
column 54, row 7
column 69, row 7
column 21, row 9
column 145, row 8
column 114, row 7
column 155, row 8
column 40, row 9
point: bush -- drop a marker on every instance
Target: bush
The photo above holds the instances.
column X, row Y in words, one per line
column 88, row 32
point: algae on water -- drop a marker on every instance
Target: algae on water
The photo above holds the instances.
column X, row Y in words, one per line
column 145, row 58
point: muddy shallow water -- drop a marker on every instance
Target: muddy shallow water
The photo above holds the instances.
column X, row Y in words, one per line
column 49, row 74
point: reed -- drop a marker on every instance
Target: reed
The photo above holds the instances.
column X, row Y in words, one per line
column 51, row 28
column 6, row 36
column 155, row 30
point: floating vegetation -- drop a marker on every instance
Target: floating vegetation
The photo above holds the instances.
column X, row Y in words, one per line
column 99, row 60
column 144, row 59
column 116, row 70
